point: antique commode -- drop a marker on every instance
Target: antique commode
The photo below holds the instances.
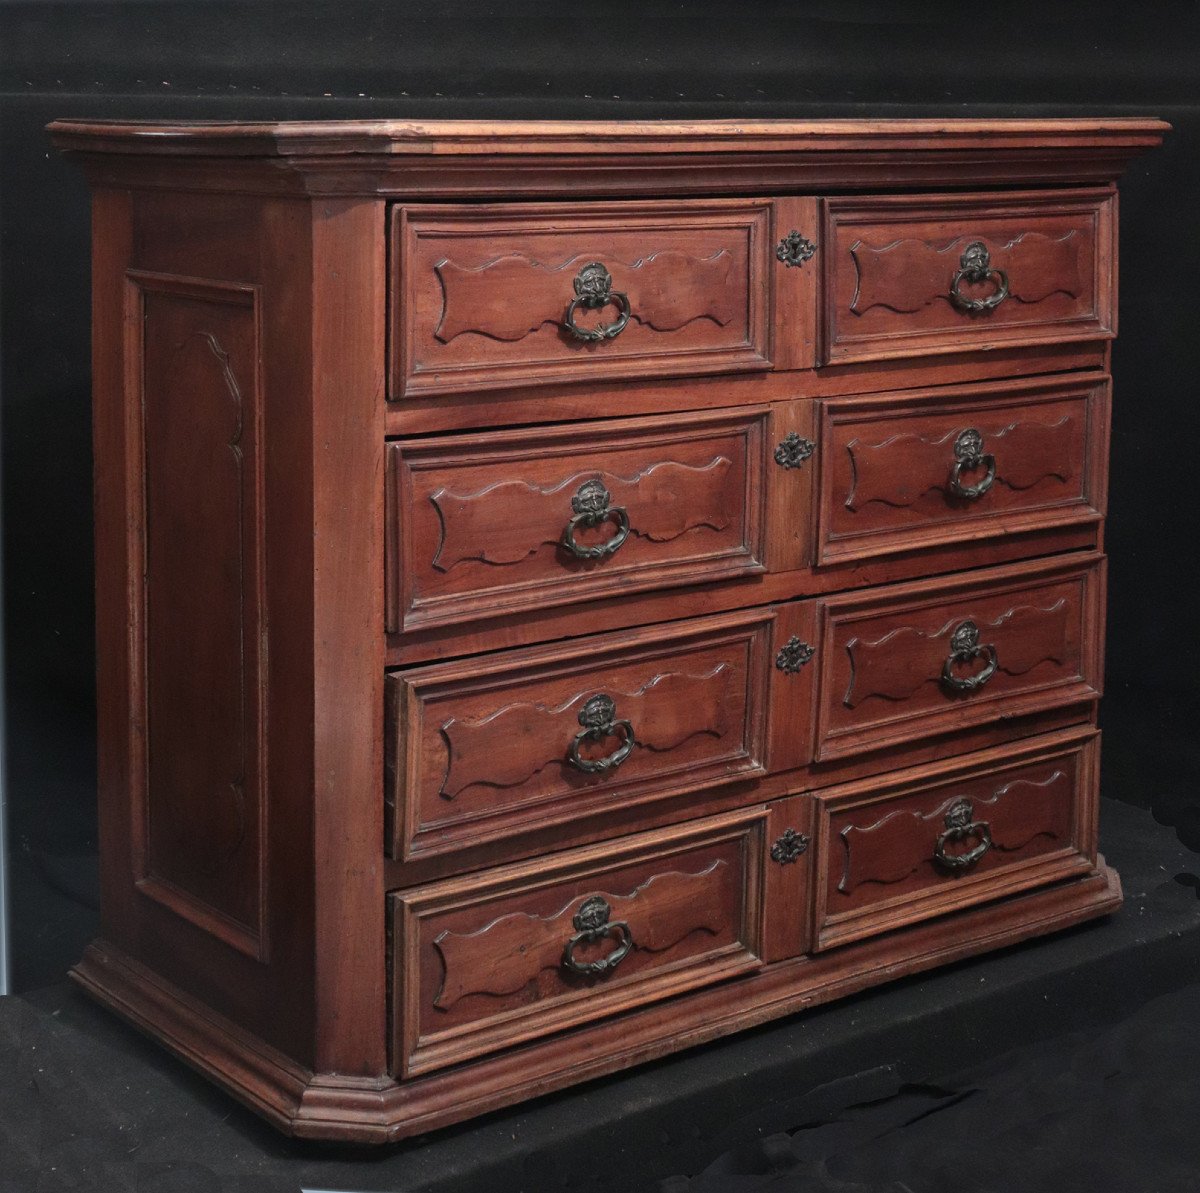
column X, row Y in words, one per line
column 569, row 591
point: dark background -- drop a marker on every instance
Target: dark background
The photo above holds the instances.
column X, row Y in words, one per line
column 606, row 58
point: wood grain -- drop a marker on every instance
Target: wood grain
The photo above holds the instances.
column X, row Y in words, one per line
column 890, row 263
column 887, row 465
column 476, row 523
column 349, row 818
column 330, row 1107
column 348, row 385
column 581, row 400
column 480, row 293
column 883, row 652
column 479, row 750
column 479, row 959
column 198, row 405
column 480, row 159
column 877, row 847
column 510, row 952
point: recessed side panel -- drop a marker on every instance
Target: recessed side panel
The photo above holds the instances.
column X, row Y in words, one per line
column 199, row 630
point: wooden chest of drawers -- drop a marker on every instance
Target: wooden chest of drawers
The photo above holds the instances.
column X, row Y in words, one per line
column 570, row 591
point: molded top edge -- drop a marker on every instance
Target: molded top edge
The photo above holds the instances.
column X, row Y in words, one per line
column 523, row 137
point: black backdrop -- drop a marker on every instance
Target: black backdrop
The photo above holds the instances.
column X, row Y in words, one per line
column 598, row 58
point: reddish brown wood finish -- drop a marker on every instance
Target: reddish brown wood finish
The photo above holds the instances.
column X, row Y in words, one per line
column 577, row 400
column 479, row 294
column 883, row 512
column 346, row 529
column 577, row 158
column 480, row 959
column 626, row 611
column 198, row 409
column 219, row 573
column 328, row 1106
column 878, row 845
column 476, row 524
column 195, row 826
column 884, row 654
column 261, row 292
column 890, row 263
column 479, row 749
column 887, row 466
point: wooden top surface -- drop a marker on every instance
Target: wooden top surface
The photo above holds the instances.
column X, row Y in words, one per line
column 538, row 137
column 484, row 159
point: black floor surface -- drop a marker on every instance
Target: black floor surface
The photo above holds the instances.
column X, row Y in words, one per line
column 1100, row 1111
column 897, row 1089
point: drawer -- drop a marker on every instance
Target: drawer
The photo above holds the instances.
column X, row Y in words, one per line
column 900, row 850
column 489, row 960
column 486, row 524
column 484, row 297
column 487, row 748
column 905, row 275
column 911, row 661
column 935, row 468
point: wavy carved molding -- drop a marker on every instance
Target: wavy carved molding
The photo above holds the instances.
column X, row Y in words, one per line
column 511, row 951
column 906, row 658
column 901, row 469
column 514, row 744
column 514, row 296
column 505, row 523
column 902, row 842
column 909, row 274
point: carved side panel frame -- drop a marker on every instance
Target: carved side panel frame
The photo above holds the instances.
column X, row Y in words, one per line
column 197, row 632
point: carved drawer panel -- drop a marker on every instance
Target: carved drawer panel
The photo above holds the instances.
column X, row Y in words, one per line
column 914, row 660
column 912, row 274
column 490, row 747
column 899, row 850
column 489, row 960
column 935, row 468
column 480, row 525
column 514, row 295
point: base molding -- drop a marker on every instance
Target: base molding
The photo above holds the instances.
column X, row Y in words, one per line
column 379, row 1110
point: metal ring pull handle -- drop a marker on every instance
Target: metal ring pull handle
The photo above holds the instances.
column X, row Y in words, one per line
column 961, row 825
column 593, row 290
column 591, row 506
column 599, row 720
column 592, row 923
column 975, row 265
column 965, row 648
column 969, row 454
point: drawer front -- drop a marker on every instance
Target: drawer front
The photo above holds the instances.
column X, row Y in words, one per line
column 923, row 848
column 489, row 747
column 935, row 468
column 485, row 297
column 907, row 275
column 480, row 525
column 490, row 960
column 911, row 661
